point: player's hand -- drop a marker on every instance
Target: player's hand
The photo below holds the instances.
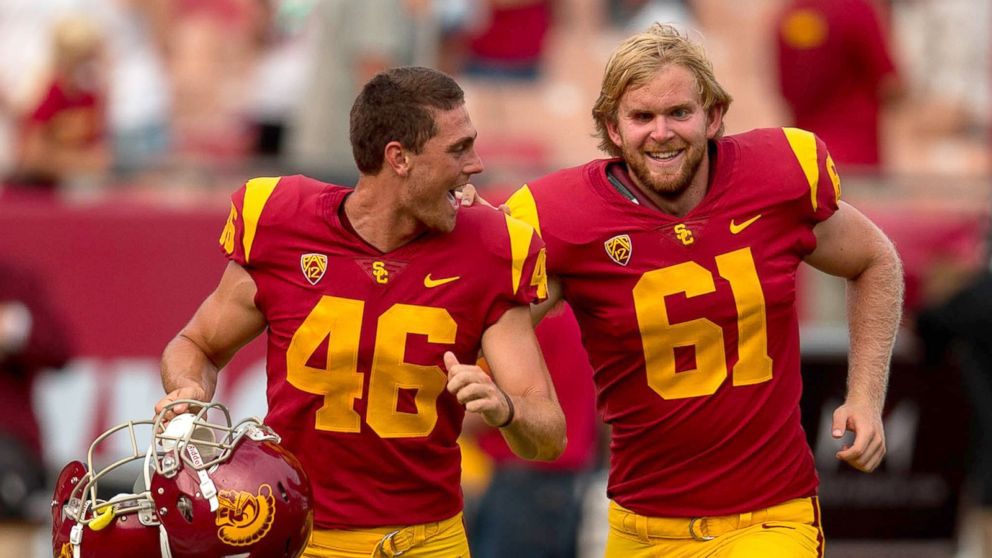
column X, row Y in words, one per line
column 468, row 195
column 476, row 390
column 186, row 392
column 868, row 449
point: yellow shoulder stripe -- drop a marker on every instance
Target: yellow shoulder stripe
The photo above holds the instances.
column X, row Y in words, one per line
column 803, row 145
column 520, row 235
column 523, row 207
column 257, row 193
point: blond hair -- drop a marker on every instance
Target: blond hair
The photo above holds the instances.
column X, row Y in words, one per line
column 637, row 60
column 74, row 39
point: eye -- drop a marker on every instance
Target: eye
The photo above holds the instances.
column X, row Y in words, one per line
column 681, row 112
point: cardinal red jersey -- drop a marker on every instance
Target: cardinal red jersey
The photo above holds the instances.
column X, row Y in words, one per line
column 691, row 324
column 356, row 385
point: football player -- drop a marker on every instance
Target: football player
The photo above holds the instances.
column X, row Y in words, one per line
column 372, row 299
column 679, row 257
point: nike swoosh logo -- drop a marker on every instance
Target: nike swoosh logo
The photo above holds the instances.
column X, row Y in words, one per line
column 431, row 283
column 735, row 228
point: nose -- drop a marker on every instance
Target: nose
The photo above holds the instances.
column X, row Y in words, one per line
column 661, row 131
column 474, row 164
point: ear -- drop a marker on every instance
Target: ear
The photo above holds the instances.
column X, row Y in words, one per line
column 396, row 158
column 714, row 121
column 613, row 130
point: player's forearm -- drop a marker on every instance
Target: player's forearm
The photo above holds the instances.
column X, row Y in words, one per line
column 538, row 428
column 185, row 364
column 874, row 306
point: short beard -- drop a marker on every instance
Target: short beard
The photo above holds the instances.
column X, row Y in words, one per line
column 670, row 188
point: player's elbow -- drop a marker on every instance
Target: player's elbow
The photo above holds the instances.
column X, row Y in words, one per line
column 556, row 449
column 554, row 443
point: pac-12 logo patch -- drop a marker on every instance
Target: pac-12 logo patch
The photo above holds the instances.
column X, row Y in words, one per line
column 619, row 248
column 314, row 266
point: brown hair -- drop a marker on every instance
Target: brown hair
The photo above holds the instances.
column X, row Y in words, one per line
column 399, row 104
column 637, row 59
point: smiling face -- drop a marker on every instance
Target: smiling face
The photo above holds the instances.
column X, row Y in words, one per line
column 662, row 131
column 446, row 162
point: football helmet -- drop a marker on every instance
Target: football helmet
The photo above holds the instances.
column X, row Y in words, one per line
column 206, row 490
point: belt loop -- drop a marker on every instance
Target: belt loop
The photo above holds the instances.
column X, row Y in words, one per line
column 431, row 529
column 744, row 520
column 641, row 524
column 419, row 534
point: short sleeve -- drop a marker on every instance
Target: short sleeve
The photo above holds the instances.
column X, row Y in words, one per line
column 822, row 181
column 525, row 257
column 238, row 236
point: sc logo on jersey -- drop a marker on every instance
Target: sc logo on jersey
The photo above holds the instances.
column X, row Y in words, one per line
column 380, row 272
column 683, row 234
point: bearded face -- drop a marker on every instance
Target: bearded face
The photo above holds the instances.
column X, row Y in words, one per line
column 662, row 130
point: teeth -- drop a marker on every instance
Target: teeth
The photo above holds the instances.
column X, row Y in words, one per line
column 665, row 155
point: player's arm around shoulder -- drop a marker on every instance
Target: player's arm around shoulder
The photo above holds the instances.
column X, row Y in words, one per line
column 536, row 429
column 849, row 245
column 225, row 321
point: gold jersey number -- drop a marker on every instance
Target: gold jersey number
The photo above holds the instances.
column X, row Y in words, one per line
column 339, row 321
column 660, row 337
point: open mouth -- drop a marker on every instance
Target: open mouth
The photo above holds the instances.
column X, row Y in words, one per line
column 452, row 199
column 665, row 156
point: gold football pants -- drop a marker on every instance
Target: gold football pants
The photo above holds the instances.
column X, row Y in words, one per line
column 788, row 530
column 443, row 539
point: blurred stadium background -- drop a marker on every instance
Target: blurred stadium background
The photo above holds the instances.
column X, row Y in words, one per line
column 204, row 94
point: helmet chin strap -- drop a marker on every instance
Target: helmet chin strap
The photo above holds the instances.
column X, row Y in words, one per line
column 76, row 538
column 207, row 487
column 163, row 542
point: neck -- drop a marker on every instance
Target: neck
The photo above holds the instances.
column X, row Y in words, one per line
column 681, row 203
column 374, row 212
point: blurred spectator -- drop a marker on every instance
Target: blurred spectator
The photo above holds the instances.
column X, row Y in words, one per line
column 279, row 72
column 835, row 73
column 24, row 29
column 455, row 18
column 212, row 46
column 348, row 42
column 532, row 509
column 962, row 327
column 635, row 15
column 139, row 103
column 63, row 137
column 32, row 337
column 509, row 41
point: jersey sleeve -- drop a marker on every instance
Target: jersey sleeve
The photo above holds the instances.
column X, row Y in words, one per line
column 247, row 204
column 822, row 183
column 525, row 256
column 523, row 206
